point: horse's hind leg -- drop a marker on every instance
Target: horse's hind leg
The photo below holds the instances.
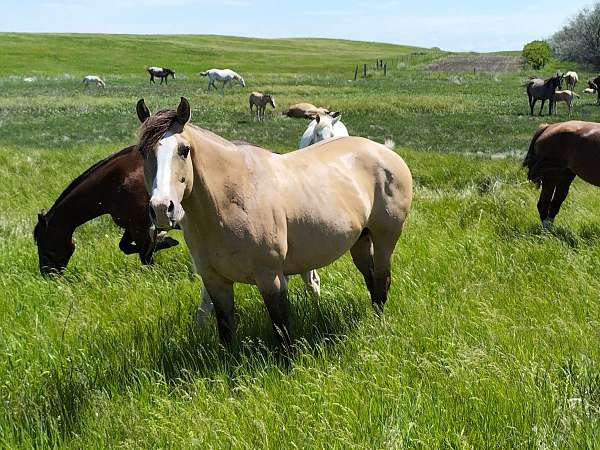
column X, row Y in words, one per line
column 542, row 107
column 544, row 201
column 383, row 248
column 560, row 194
column 362, row 256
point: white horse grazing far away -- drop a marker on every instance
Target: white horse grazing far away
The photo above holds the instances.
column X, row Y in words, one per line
column 224, row 75
column 94, row 79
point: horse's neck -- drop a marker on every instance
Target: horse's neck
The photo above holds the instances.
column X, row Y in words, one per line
column 215, row 164
column 84, row 203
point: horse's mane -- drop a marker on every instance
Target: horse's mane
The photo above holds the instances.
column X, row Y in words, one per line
column 155, row 127
column 77, row 181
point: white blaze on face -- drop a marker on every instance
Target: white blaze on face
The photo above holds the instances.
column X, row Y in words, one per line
column 164, row 156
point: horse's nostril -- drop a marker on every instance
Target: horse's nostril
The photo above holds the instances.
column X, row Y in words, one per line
column 171, row 207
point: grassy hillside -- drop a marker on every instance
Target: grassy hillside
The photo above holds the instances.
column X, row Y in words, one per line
column 490, row 337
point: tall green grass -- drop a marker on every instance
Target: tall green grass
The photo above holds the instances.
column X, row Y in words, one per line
column 490, row 336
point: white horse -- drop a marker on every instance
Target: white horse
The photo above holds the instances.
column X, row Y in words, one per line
column 323, row 126
column 224, row 75
column 93, row 79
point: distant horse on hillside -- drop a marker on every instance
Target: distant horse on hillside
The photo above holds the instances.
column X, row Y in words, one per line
column 160, row 72
column 223, row 75
column 538, row 89
column 557, row 154
column 305, row 111
column 112, row 186
column 260, row 101
column 595, row 85
column 93, row 79
column 571, row 78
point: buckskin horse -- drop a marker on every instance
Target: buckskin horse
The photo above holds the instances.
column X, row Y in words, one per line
column 257, row 217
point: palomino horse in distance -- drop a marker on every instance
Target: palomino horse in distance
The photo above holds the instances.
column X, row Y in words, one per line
column 160, row 72
column 257, row 217
column 223, row 75
column 557, row 154
column 112, row 186
column 538, row 89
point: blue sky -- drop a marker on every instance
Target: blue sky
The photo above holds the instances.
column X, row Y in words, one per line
column 463, row 25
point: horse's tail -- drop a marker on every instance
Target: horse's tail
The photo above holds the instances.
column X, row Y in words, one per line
column 203, row 74
column 532, row 160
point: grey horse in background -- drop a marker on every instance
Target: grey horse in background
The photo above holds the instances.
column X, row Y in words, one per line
column 538, row 89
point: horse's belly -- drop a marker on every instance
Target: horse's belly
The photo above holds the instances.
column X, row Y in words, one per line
column 314, row 246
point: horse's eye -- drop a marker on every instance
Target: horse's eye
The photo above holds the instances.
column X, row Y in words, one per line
column 184, row 151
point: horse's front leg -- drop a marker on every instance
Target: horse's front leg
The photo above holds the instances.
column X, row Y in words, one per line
column 312, row 281
column 542, row 107
column 273, row 288
column 205, row 308
column 220, row 291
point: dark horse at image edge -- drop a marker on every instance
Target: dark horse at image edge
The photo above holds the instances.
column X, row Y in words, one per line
column 112, row 186
column 557, row 154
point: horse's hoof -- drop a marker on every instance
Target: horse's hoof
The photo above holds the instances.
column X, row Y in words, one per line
column 166, row 242
column 546, row 224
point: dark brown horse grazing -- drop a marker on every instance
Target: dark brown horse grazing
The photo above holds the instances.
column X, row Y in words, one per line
column 557, row 154
column 112, row 186
column 160, row 72
column 538, row 89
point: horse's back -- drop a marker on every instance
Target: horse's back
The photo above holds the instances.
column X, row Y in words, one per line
column 361, row 161
column 343, row 185
column 573, row 145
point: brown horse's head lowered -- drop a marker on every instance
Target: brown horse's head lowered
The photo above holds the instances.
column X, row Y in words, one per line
column 167, row 162
column 53, row 253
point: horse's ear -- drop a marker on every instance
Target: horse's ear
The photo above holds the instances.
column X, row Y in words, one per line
column 336, row 119
column 142, row 110
column 183, row 111
column 335, row 114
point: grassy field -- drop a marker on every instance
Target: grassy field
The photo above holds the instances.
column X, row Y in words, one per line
column 491, row 335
